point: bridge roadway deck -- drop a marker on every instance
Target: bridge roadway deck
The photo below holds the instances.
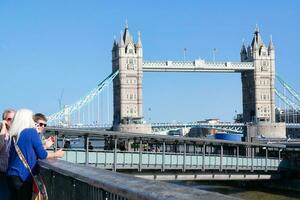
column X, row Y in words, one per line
column 227, row 127
column 156, row 127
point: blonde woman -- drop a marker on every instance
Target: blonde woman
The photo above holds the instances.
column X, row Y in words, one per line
column 24, row 132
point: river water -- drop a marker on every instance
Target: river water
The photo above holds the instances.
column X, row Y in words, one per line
column 239, row 190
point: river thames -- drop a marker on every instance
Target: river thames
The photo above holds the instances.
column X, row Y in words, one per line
column 239, row 190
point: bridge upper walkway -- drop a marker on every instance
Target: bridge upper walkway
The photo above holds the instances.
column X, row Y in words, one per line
column 196, row 66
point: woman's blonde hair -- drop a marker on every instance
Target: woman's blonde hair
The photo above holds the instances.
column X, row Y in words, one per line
column 23, row 119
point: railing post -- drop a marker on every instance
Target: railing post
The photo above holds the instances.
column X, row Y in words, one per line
column 184, row 157
column 237, row 158
column 252, row 158
column 74, row 189
column 96, row 158
column 63, row 141
column 221, row 158
column 134, row 144
column 140, row 155
column 163, row 157
column 76, row 157
column 279, row 156
column 203, row 157
column 56, row 141
column 52, row 185
column 115, row 155
column 266, row 169
column 86, row 142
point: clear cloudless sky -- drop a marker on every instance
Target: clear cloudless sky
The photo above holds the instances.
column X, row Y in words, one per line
column 50, row 46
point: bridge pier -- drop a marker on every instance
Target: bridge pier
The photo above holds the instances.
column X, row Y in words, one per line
column 133, row 128
column 265, row 130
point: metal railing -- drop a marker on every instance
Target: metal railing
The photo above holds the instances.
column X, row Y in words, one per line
column 68, row 181
column 169, row 152
column 140, row 161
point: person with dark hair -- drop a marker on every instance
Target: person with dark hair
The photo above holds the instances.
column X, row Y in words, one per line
column 7, row 118
column 67, row 144
column 91, row 147
column 41, row 123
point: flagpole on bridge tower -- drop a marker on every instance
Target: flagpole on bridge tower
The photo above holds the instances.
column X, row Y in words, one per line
column 214, row 54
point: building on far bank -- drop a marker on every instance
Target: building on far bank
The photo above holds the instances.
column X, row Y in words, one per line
column 204, row 132
column 289, row 116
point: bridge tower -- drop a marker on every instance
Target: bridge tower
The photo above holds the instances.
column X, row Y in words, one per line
column 259, row 85
column 259, row 90
column 127, row 57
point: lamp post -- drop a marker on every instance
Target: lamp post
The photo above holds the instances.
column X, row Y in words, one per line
column 184, row 53
column 149, row 111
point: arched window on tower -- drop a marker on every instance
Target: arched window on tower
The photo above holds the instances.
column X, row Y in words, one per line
column 130, row 65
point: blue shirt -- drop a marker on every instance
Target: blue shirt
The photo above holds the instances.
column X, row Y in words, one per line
column 32, row 148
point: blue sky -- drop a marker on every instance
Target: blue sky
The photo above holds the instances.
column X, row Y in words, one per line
column 50, row 46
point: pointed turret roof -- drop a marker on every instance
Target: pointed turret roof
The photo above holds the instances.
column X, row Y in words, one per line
column 121, row 43
column 271, row 46
column 115, row 43
column 127, row 37
column 139, row 42
column 254, row 44
column 243, row 49
column 249, row 47
column 257, row 41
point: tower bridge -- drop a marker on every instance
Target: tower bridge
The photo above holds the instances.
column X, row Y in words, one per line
column 257, row 68
column 258, row 76
column 152, row 156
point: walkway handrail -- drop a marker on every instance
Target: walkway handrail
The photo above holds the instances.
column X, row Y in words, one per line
column 91, row 181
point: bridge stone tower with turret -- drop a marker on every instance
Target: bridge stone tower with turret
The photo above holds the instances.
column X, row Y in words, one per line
column 259, row 84
column 259, row 90
column 127, row 57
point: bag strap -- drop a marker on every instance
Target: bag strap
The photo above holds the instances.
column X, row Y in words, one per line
column 21, row 156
